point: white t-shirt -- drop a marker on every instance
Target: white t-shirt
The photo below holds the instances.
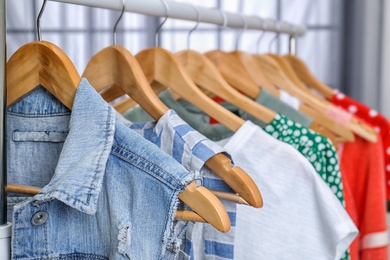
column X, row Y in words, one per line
column 301, row 217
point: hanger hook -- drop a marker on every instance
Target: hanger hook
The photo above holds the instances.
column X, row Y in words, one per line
column 242, row 30
column 39, row 20
column 117, row 21
column 195, row 27
column 161, row 25
column 224, row 17
column 264, row 25
column 292, row 43
column 276, row 36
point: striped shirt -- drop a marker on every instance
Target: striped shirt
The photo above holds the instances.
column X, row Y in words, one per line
column 190, row 148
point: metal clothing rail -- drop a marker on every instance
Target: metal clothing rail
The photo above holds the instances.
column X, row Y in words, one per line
column 184, row 11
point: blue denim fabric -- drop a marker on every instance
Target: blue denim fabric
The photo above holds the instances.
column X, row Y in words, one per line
column 190, row 148
column 107, row 192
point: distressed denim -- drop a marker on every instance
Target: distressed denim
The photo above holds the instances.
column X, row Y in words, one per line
column 192, row 149
column 107, row 192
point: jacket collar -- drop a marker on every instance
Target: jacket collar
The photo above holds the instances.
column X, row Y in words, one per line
column 78, row 177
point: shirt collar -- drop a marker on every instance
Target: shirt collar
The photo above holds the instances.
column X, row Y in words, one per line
column 191, row 116
column 78, row 177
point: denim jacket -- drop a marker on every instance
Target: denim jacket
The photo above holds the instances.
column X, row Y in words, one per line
column 107, row 192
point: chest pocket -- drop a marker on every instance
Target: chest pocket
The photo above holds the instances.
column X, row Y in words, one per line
column 33, row 156
column 45, row 136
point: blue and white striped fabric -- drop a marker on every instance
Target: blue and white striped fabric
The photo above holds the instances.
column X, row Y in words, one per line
column 192, row 150
column 202, row 241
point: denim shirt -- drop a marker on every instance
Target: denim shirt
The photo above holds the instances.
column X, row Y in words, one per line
column 107, row 192
column 192, row 149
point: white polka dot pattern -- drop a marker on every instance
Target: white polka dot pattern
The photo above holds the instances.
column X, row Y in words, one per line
column 372, row 113
column 380, row 124
column 340, row 96
column 352, row 109
column 317, row 149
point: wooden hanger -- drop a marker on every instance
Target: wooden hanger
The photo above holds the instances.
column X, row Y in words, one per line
column 305, row 75
column 205, row 74
column 309, row 105
column 110, row 94
column 234, row 176
column 162, row 67
column 180, row 214
column 233, row 73
column 115, row 67
column 290, row 73
column 359, row 128
column 277, row 75
column 41, row 63
column 256, row 72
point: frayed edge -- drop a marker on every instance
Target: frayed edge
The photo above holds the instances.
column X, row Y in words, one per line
column 171, row 241
column 124, row 238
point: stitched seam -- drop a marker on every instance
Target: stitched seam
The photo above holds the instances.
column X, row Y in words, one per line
column 38, row 115
column 142, row 159
column 71, row 196
column 156, row 176
column 46, row 237
column 101, row 156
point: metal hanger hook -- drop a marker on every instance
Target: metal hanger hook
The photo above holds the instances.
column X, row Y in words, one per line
column 242, row 30
column 264, row 25
column 224, row 17
column 275, row 38
column 161, row 25
column 39, row 20
column 292, row 42
column 117, row 21
column 195, row 27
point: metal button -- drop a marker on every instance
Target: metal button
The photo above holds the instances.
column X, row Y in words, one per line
column 39, row 218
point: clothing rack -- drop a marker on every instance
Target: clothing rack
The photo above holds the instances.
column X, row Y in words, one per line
column 184, row 11
column 177, row 10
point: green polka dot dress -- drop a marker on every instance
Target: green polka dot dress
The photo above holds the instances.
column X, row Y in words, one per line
column 316, row 148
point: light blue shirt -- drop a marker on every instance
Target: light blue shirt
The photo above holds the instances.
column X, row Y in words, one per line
column 190, row 148
column 107, row 192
